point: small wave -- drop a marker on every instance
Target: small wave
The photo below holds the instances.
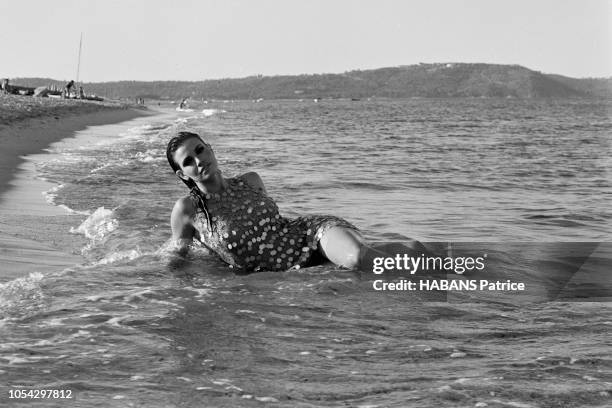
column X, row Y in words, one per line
column 97, row 225
column 210, row 112
column 97, row 169
column 139, row 132
column 365, row 185
column 25, row 288
column 559, row 220
column 147, row 128
column 156, row 127
column 149, row 156
column 113, row 257
column 170, row 247
column 201, row 292
column 51, row 194
column 184, row 110
column 71, row 211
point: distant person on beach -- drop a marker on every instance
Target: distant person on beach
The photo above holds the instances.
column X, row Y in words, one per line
column 67, row 89
column 81, row 93
column 236, row 219
column 5, row 86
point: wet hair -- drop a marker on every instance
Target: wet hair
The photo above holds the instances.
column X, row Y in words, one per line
column 173, row 145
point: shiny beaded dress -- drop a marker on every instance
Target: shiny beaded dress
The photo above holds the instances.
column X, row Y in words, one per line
column 243, row 226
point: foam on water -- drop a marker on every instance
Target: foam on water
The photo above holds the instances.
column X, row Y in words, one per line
column 127, row 255
column 20, row 290
column 97, row 225
column 50, row 195
column 149, row 156
column 100, row 168
column 211, row 112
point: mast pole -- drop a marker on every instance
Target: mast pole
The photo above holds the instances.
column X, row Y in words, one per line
column 79, row 63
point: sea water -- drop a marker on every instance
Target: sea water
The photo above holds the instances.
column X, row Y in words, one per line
column 524, row 182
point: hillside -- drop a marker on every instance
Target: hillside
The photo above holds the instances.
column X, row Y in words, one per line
column 422, row 80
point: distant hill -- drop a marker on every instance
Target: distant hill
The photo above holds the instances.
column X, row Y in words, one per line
column 422, row 80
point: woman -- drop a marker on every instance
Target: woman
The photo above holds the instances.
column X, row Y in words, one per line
column 235, row 218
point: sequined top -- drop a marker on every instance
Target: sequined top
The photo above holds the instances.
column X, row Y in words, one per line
column 243, row 226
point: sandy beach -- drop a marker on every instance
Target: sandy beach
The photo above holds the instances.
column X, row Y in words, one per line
column 27, row 126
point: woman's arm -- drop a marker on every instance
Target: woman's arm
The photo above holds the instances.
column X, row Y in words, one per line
column 180, row 221
column 255, row 181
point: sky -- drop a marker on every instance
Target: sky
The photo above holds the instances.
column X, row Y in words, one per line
column 205, row 39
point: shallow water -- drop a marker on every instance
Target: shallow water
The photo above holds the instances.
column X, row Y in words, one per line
column 526, row 182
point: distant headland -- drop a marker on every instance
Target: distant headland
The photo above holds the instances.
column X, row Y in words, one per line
column 437, row 80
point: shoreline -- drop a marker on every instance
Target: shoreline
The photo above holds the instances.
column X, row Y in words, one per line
column 33, row 135
column 26, row 246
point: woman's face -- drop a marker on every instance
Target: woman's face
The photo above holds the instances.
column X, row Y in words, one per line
column 196, row 161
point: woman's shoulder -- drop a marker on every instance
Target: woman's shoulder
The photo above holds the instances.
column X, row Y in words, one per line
column 248, row 176
column 184, row 206
column 253, row 180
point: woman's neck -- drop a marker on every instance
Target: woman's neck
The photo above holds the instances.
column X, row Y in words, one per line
column 215, row 185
